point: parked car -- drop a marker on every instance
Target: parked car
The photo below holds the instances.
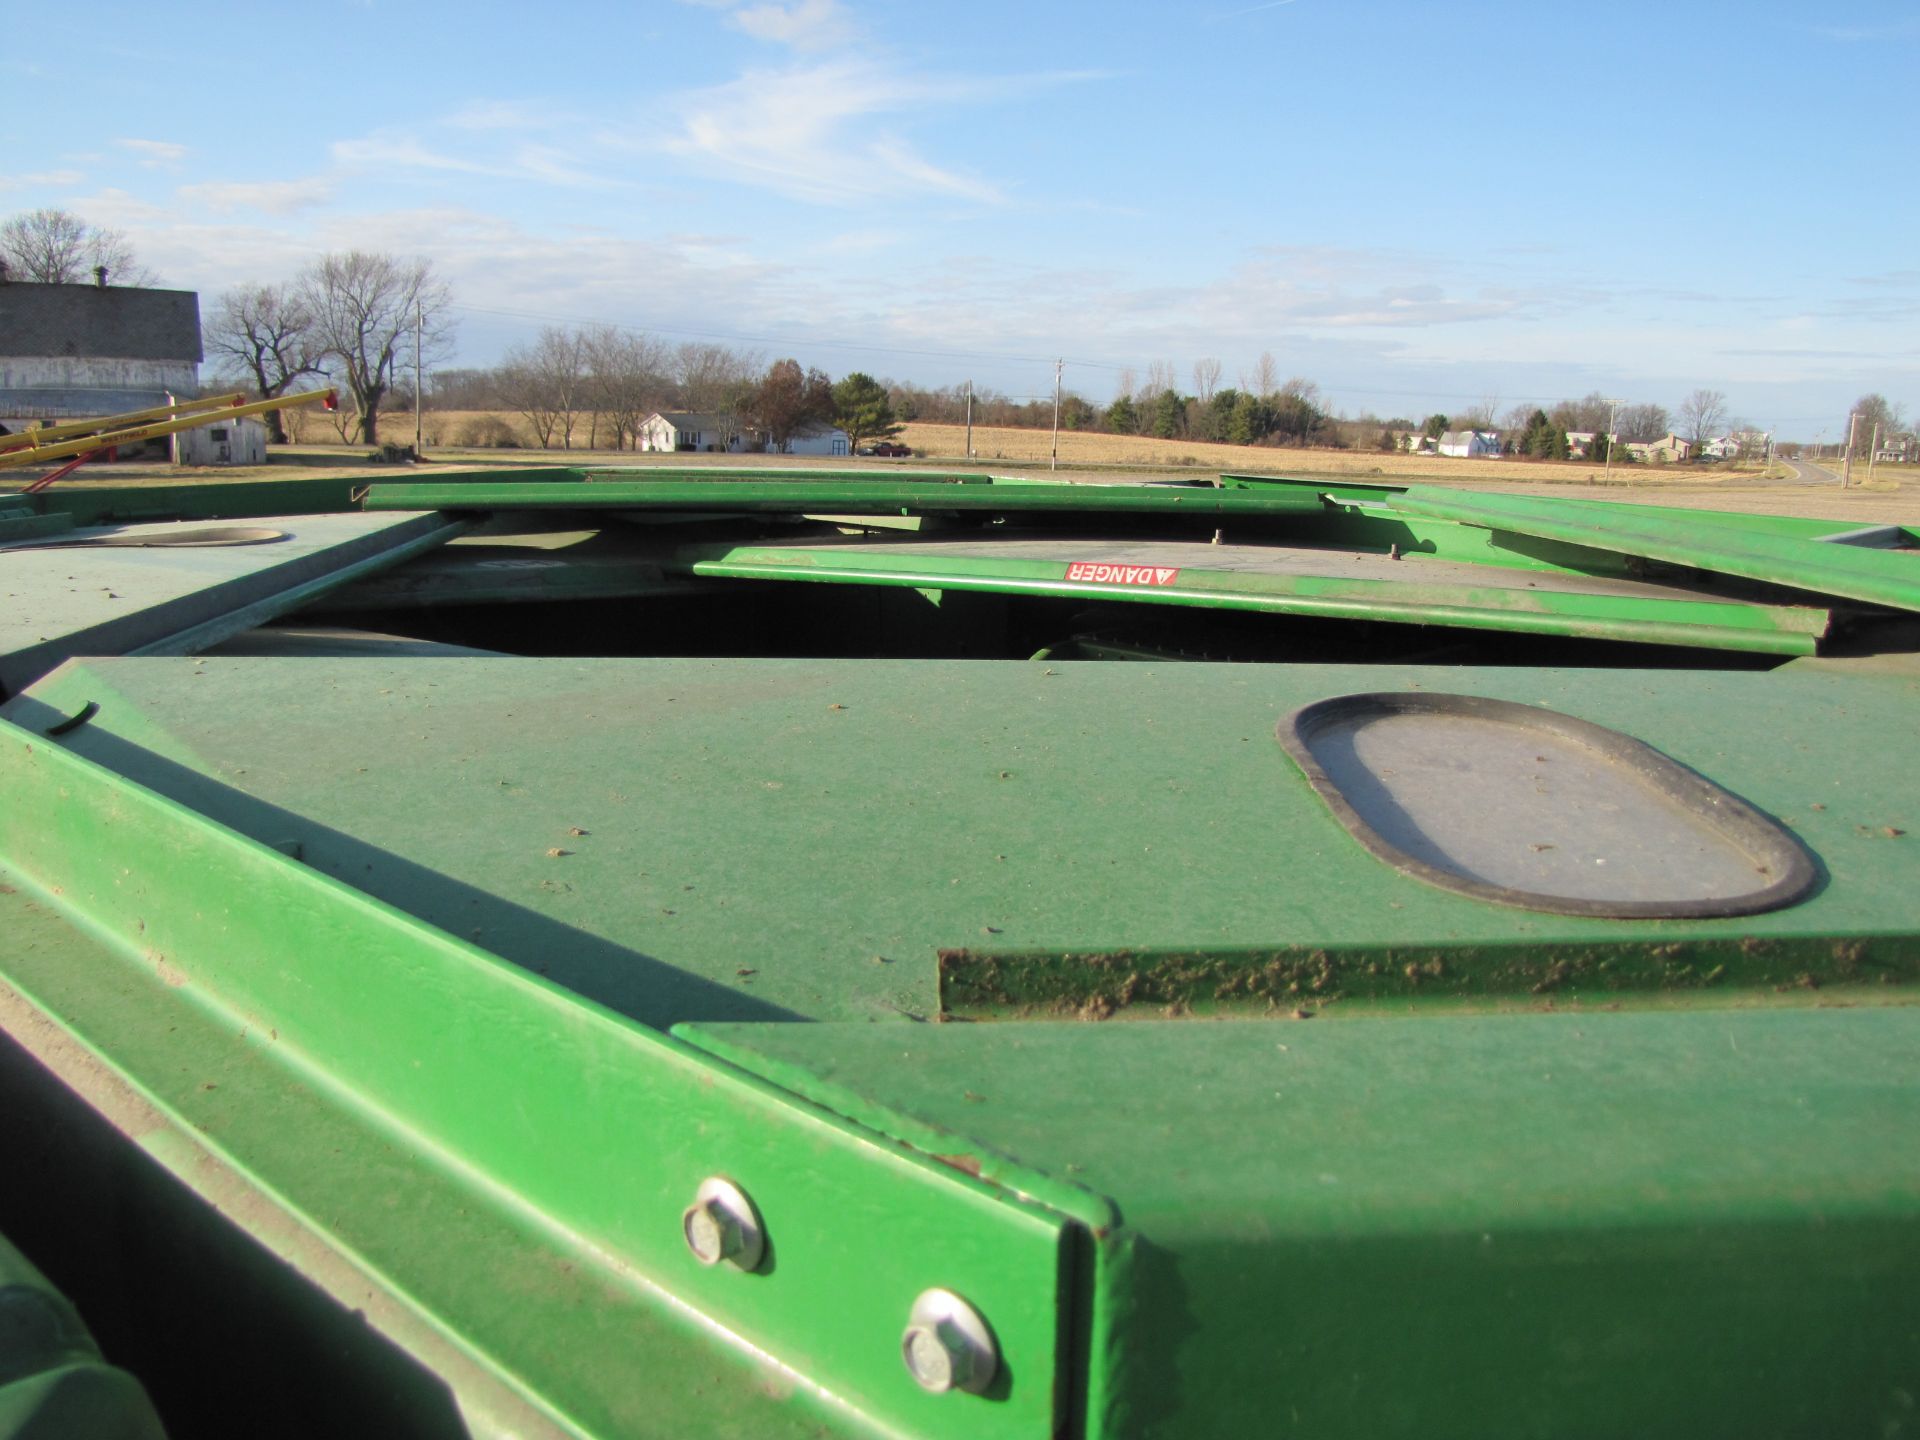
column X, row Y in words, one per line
column 886, row 447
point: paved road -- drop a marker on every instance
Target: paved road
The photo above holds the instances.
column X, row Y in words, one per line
column 1807, row 473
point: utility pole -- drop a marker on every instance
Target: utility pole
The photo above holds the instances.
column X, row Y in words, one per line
column 419, row 391
column 1613, row 411
column 1846, row 460
column 969, row 419
column 1873, row 451
column 1054, row 462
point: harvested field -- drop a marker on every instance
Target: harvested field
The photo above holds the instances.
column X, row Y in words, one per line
column 1893, row 496
column 1098, row 449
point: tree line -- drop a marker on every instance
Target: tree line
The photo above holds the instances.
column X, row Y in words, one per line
column 353, row 320
column 607, row 381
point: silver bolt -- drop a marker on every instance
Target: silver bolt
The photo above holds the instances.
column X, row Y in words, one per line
column 947, row 1345
column 721, row 1226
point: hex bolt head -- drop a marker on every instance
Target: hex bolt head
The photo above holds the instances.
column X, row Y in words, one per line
column 722, row 1227
column 947, row 1345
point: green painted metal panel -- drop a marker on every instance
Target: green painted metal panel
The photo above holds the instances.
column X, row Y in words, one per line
column 17, row 525
column 1881, row 577
column 113, row 601
column 550, row 1111
column 852, row 820
column 794, row 474
column 1573, row 499
column 1416, row 595
column 1650, row 1224
column 869, row 496
column 89, row 502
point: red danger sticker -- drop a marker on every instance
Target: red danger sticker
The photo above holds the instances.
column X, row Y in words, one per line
column 1101, row 574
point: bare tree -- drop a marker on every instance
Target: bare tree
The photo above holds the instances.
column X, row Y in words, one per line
column 546, row 383
column 718, row 381
column 1206, row 379
column 1642, row 424
column 1589, row 413
column 1475, row 417
column 364, row 304
column 1266, row 377
column 53, row 247
column 267, row 333
column 1160, row 380
column 1877, row 416
column 1702, row 414
column 626, row 381
column 711, row 377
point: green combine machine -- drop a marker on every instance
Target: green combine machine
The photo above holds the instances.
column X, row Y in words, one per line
column 693, row 952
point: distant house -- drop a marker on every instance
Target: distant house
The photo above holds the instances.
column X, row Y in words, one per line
column 683, row 430
column 1668, row 448
column 1580, row 443
column 1734, row 444
column 815, row 440
column 1467, row 444
column 1417, row 444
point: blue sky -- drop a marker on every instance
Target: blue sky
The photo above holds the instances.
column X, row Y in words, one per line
column 1414, row 206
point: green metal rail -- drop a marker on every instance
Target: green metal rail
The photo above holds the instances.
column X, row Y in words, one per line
column 1880, row 577
column 271, row 1019
column 866, row 497
column 1648, row 619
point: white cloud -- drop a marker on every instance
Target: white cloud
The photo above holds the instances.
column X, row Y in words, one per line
column 384, row 151
column 811, row 133
column 38, row 178
column 275, row 197
column 502, row 160
column 155, row 154
column 502, row 115
column 804, row 25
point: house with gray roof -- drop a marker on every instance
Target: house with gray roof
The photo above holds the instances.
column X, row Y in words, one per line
column 1466, row 444
column 70, row 352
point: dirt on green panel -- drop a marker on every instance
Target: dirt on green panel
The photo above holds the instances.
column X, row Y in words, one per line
column 1299, row 982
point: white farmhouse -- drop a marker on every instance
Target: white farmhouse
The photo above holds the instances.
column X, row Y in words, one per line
column 1467, row 444
column 683, row 430
column 1736, row 443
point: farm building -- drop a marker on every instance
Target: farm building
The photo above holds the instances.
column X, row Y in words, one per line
column 231, row 442
column 1580, row 443
column 815, row 440
column 76, row 351
column 1469, row 444
column 683, row 430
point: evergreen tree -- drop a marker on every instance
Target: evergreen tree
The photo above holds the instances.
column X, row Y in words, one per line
column 1169, row 415
column 862, row 408
column 1247, row 423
